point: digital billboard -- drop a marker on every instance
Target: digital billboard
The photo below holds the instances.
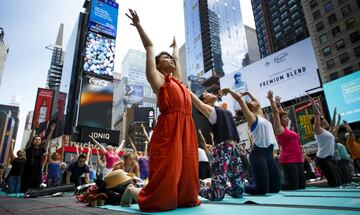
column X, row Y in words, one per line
column 99, row 55
column 289, row 73
column 43, row 108
column 58, row 112
column 103, row 17
column 344, row 94
column 96, row 99
column 134, row 94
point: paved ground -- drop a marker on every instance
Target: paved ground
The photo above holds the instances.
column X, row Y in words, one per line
column 47, row 206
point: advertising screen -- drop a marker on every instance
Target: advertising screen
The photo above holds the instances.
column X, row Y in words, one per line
column 43, row 107
column 103, row 16
column 344, row 94
column 289, row 73
column 99, row 55
column 134, row 94
column 58, row 112
column 96, row 100
column 304, row 112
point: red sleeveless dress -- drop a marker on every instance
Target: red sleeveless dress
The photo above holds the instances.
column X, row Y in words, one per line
column 173, row 155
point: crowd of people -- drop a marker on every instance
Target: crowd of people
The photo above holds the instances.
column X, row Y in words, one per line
column 174, row 169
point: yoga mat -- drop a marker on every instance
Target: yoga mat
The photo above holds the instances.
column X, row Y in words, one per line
column 217, row 209
column 17, row 195
column 281, row 200
column 330, row 189
column 321, row 194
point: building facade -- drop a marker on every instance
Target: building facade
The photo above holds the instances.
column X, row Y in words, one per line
column 4, row 50
column 279, row 24
column 9, row 123
column 57, row 61
column 215, row 41
column 133, row 87
column 334, row 27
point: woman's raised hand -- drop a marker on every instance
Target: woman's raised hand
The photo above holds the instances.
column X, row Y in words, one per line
column 134, row 17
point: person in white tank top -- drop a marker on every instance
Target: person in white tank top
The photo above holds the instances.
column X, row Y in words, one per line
column 326, row 142
column 262, row 163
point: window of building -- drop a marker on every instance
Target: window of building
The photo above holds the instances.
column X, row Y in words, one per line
column 344, row 58
column 320, row 26
column 341, row 1
column 350, row 23
column 286, row 22
column 293, row 8
column 326, row 51
column 316, row 15
column 284, row 15
column 336, row 31
column 330, row 64
column 287, row 29
column 313, row 3
column 282, row 8
column 275, row 21
column 291, row 2
column 328, row 6
column 332, row 19
column 346, row 10
column 333, row 76
column 348, row 70
column 294, row 15
column 354, row 37
column 277, row 28
column 278, row 35
column 340, row 44
column 299, row 30
column 323, row 38
column 357, row 51
column 358, row 3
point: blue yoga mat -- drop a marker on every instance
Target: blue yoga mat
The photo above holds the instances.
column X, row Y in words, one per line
column 330, row 189
column 217, row 209
column 18, row 195
column 322, row 194
column 280, row 199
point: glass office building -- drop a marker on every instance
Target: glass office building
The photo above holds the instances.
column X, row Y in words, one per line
column 215, row 41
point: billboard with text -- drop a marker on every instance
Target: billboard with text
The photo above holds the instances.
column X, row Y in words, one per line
column 103, row 17
column 290, row 73
column 43, row 108
column 344, row 94
column 95, row 109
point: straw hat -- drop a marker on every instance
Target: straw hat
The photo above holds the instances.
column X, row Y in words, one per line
column 117, row 178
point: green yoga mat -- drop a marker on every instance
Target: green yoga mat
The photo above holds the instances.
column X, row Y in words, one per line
column 316, row 189
column 282, row 200
column 18, row 195
column 217, row 209
column 322, row 194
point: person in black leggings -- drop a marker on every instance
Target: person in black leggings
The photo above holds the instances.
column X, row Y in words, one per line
column 326, row 147
column 264, row 169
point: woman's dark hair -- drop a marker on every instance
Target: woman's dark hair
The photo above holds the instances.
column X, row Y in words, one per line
column 201, row 97
column 157, row 57
column 34, row 139
column 82, row 156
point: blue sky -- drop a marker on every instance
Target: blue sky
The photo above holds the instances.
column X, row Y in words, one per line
column 31, row 25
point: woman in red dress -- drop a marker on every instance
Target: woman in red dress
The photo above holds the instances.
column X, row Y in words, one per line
column 173, row 149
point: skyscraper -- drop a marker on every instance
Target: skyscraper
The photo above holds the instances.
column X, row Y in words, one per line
column 133, row 87
column 4, row 50
column 215, row 41
column 279, row 24
column 57, row 61
column 334, row 30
